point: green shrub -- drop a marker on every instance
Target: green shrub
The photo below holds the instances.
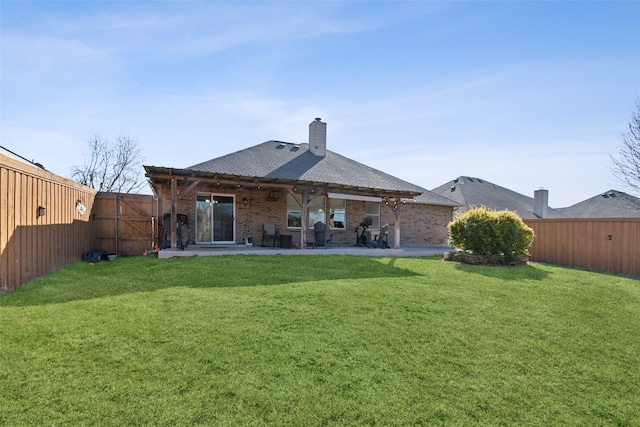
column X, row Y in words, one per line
column 495, row 234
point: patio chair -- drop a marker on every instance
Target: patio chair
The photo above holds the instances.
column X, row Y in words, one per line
column 269, row 231
column 320, row 235
column 381, row 240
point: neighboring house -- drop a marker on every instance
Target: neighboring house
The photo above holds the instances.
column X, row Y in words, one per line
column 12, row 155
column 610, row 204
column 294, row 186
column 470, row 192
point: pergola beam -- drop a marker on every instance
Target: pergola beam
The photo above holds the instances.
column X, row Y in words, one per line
column 189, row 189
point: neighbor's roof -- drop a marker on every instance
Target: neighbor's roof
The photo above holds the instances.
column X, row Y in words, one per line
column 471, row 192
column 610, row 204
column 15, row 156
column 287, row 162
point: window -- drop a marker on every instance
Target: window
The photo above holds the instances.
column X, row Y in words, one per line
column 337, row 208
column 317, row 212
column 373, row 212
column 294, row 213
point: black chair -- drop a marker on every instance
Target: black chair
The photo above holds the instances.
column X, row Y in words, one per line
column 382, row 240
column 320, row 236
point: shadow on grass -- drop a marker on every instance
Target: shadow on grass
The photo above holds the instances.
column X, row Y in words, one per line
column 520, row 272
column 83, row 281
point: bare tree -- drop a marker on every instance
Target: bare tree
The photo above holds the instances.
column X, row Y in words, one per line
column 626, row 166
column 108, row 167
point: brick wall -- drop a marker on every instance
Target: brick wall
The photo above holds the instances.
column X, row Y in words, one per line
column 421, row 224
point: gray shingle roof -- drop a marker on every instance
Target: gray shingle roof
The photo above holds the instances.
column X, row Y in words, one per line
column 282, row 160
column 478, row 192
column 610, row 204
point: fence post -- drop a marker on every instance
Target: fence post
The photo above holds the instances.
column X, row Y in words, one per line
column 115, row 203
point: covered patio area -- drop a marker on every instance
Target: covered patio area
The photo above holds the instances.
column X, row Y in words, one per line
column 198, row 250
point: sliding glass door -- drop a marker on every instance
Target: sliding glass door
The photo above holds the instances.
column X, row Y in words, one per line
column 214, row 218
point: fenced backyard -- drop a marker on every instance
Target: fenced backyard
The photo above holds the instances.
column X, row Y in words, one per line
column 47, row 222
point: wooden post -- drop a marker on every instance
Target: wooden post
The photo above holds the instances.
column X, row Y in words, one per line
column 301, row 204
column 305, row 219
column 396, row 234
column 174, row 216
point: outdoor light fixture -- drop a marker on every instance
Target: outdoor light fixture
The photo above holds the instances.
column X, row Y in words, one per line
column 42, row 211
column 245, row 201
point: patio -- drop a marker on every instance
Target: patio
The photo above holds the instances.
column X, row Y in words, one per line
column 213, row 250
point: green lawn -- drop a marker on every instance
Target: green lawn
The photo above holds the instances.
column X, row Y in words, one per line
column 320, row 340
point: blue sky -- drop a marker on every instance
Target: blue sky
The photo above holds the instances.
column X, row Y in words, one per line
column 524, row 94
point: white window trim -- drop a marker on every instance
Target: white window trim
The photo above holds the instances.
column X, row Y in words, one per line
column 354, row 197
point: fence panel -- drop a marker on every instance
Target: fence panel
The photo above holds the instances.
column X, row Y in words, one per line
column 41, row 227
column 602, row 244
column 124, row 223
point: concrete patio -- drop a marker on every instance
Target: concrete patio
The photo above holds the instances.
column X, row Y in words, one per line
column 213, row 250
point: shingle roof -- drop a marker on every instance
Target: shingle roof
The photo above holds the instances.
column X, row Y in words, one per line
column 610, row 204
column 282, row 160
column 470, row 192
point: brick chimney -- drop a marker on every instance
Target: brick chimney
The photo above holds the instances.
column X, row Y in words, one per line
column 541, row 203
column 318, row 137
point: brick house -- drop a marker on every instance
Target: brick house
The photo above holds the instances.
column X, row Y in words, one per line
column 229, row 199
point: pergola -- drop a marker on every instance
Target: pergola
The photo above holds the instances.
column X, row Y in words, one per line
column 302, row 191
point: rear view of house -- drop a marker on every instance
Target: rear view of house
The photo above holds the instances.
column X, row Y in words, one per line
column 294, row 186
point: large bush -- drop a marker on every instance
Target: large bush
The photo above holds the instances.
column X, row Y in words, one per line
column 495, row 234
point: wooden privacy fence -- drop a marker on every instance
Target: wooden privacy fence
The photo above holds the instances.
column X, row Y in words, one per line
column 124, row 223
column 602, row 244
column 47, row 222
column 44, row 222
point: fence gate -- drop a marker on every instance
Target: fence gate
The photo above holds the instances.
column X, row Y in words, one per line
column 124, row 223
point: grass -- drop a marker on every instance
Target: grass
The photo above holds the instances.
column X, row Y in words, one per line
column 320, row 340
